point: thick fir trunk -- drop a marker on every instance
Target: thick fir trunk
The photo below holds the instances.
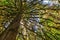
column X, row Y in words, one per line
column 11, row 32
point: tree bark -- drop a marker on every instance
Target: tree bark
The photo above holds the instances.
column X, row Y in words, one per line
column 11, row 32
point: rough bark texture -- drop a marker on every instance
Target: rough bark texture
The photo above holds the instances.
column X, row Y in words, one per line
column 11, row 32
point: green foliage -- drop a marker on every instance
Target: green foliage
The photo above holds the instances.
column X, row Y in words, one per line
column 50, row 23
column 50, row 29
column 4, row 3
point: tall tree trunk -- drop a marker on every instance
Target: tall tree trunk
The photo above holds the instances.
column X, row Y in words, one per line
column 11, row 32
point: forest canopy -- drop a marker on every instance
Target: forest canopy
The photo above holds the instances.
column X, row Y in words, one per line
column 29, row 20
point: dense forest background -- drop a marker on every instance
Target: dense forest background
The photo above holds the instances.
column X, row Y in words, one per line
column 29, row 20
